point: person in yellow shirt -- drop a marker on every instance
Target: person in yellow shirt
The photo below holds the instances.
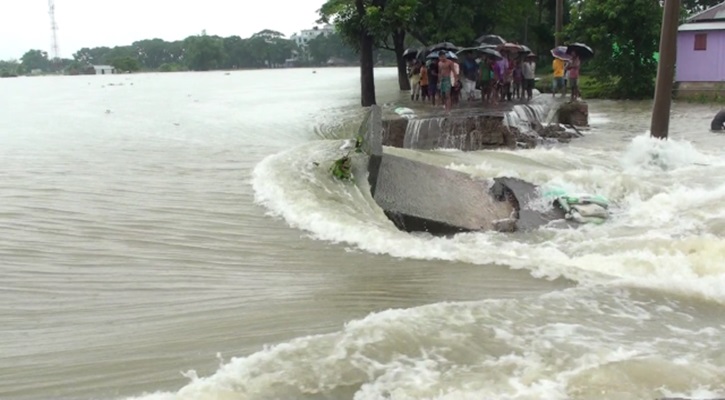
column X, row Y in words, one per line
column 559, row 67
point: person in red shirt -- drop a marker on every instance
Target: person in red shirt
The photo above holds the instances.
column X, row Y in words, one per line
column 573, row 69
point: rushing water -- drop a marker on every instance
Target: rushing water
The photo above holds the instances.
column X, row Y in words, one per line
column 172, row 237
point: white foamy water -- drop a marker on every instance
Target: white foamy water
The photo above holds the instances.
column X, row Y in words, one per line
column 191, row 244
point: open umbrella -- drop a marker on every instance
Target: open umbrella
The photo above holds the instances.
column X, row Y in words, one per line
column 491, row 39
column 432, row 56
column 410, row 54
column 524, row 49
column 445, row 46
column 487, row 51
column 467, row 50
column 580, row 49
column 560, row 53
column 509, row 48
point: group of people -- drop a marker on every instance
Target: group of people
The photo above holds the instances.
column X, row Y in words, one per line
column 447, row 78
column 566, row 72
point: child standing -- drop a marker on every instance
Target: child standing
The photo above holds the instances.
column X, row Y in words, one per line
column 424, row 82
column 414, row 78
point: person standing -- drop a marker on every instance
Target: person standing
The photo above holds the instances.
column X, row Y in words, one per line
column 498, row 77
column 456, row 84
column 508, row 79
column 414, row 77
column 446, row 75
column 424, row 82
column 433, row 81
column 558, row 66
column 518, row 80
column 484, row 79
column 470, row 72
column 528, row 70
column 573, row 69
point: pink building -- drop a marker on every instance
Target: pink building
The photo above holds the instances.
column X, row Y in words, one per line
column 701, row 52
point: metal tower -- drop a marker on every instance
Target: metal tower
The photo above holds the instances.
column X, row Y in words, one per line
column 54, row 52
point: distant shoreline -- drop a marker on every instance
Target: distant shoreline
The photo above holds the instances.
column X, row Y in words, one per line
column 213, row 70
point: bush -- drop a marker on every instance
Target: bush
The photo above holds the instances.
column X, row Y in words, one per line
column 590, row 87
column 169, row 67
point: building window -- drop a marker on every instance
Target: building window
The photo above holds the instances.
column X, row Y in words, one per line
column 701, row 41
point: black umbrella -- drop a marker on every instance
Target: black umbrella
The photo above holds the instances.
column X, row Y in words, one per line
column 491, row 52
column 491, row 39
column 512, row 48
column 525, row 50
column 433, row 56
column 410, row 54
column 467, row 50
column 580, row 49
column 445, row 46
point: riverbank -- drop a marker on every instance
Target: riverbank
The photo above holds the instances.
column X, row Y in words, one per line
column 592, row 88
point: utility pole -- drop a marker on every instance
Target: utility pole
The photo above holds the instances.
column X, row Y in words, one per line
column 559, row 21
column 665, row 70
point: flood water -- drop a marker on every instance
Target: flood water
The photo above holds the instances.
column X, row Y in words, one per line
column 178, row 236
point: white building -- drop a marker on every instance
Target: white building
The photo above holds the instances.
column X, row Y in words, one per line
column 303, row 38
column 104, row 69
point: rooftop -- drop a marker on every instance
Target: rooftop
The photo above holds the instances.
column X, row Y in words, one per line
column 702, row 26
column 715, row 13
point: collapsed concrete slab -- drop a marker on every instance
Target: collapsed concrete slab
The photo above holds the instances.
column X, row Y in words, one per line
column 422, row 197
column 419, row 197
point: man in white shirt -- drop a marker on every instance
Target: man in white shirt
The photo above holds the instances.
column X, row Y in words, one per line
column 528, row 70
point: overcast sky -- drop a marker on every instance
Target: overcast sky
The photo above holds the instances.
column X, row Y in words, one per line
column 25, row 24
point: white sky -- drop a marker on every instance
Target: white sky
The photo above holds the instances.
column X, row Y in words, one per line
column 25, row 24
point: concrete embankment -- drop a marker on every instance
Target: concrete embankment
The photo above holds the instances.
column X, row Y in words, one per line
column 473, row 126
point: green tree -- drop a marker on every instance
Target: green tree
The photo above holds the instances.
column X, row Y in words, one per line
column 270, row 48
column 462, row 21
column 389, row 21
column 126, row 64
column 35, row 60
column 203, row 52
column 350, row 20
column 119, row 52
column 151, row 54
column 237, row 54
column 625, row 36
column 324, row 47
column 10, row 68
column 91, row 56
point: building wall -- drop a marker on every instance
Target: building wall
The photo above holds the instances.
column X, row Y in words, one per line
column 700, row 66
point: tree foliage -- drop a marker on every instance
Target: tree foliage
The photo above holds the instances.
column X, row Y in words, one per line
column 325, row 47
column 625, row 34
column 126, row 64
column 203, row 52
column 35, row 60
column 10, row 68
